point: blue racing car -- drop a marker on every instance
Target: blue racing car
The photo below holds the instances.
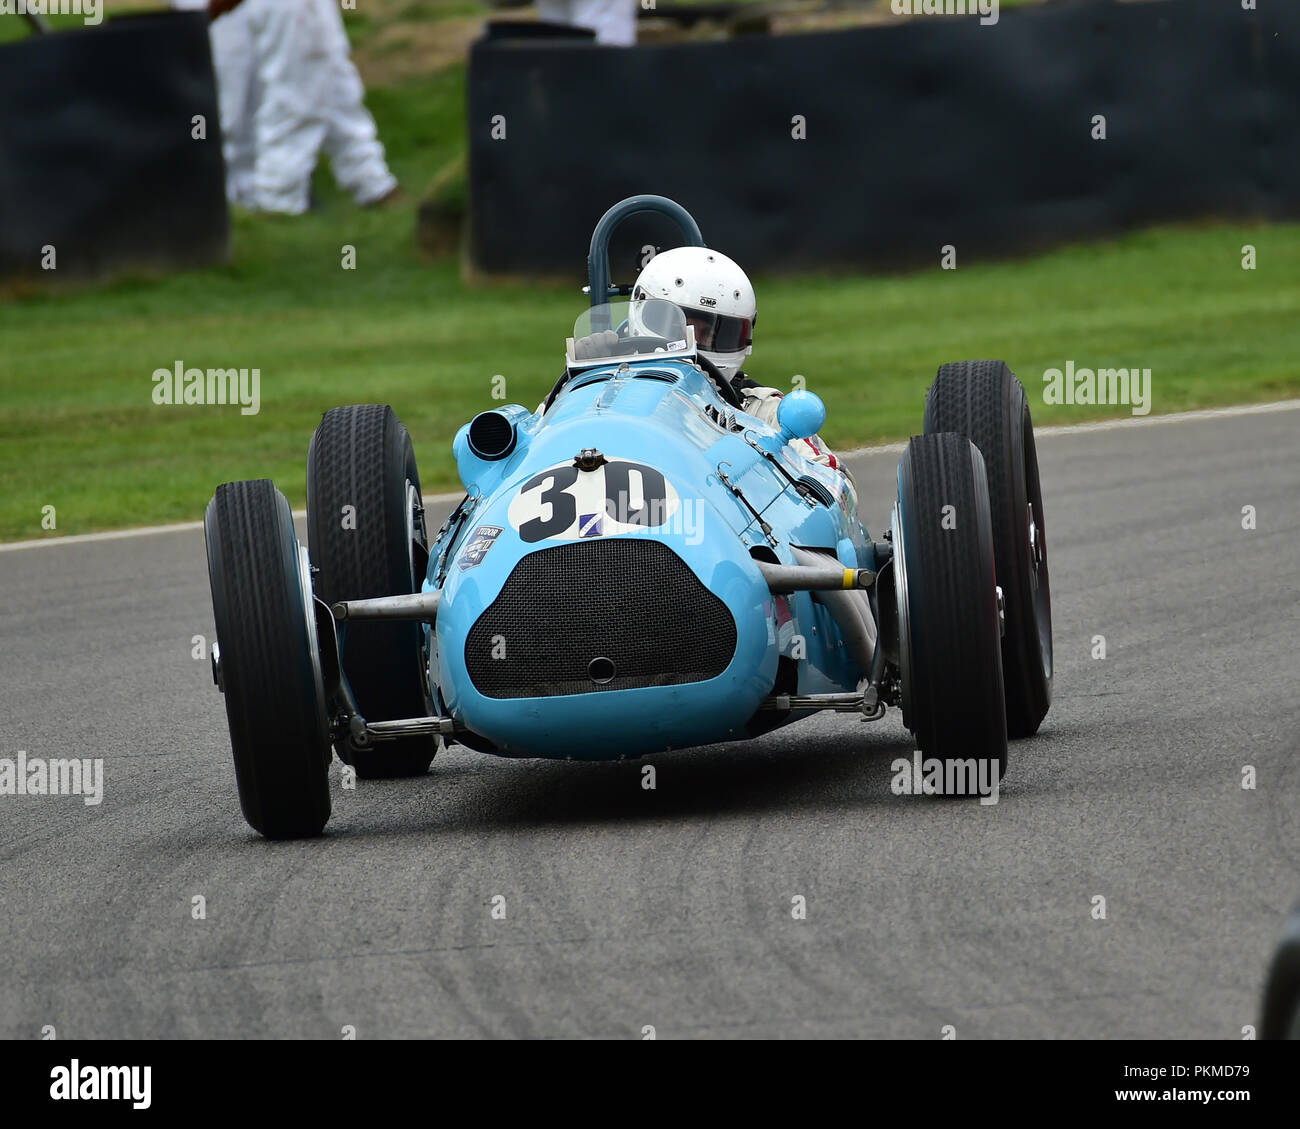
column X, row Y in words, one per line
column 637, row 565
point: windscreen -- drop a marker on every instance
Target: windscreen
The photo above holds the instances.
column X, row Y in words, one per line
column 630, row 328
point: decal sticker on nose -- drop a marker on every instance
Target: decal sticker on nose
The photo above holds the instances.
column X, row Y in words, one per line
column 484, row 538
column 563, row 504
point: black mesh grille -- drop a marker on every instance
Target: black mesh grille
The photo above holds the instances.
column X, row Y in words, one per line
column 630, row 600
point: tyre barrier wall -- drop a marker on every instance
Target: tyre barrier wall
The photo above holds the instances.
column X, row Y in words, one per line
column 97, row 157
column 919, row 134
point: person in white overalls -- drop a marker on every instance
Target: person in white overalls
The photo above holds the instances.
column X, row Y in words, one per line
column 288, row 90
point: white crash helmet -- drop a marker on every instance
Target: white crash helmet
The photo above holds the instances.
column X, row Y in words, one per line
column 715, row 295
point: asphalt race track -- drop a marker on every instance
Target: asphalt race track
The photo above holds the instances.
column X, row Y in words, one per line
column 673, row 907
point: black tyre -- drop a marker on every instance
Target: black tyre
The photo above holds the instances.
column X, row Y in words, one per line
column 984, row 401
column 365, row 530
column 1281, row 1019
column 948, row 619
column 269, row 663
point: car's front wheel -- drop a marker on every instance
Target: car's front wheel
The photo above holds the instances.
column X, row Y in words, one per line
column 949, row 647
column 267, row 660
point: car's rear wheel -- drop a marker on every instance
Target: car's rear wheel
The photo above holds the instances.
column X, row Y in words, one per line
column 948, row 616
column 267, row 660
column 365, row 529
column 984, row 401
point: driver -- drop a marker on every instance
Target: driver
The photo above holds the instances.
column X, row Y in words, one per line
column 718, row 300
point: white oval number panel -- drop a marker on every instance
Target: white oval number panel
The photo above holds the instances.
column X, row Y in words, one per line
column 564, row 503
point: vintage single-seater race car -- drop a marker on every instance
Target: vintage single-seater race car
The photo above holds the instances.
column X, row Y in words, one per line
column 638, row 565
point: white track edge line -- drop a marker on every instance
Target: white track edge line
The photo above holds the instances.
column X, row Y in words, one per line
column 1115, row 424
column 883, row 448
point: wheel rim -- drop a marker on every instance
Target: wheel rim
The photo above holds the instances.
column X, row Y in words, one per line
column 416, row 535
column 1035, row 535
column 904, row 613
column 417, row 540
column 313, row 640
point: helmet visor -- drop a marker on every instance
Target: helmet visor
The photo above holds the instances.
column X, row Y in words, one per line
column 720, row 333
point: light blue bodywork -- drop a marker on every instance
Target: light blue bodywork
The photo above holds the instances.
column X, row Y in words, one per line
column 628, row 415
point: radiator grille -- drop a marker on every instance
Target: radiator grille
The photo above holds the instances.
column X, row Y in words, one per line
column 630, row 600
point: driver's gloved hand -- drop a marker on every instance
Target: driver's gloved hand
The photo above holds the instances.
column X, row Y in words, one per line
column 600, row 344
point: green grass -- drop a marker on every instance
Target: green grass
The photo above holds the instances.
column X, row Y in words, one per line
column 79, row 430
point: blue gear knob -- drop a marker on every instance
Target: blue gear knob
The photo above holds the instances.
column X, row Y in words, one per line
column 800, row 414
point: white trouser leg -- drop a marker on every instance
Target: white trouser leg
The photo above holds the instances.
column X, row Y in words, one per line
column 613, row 21
column 290, row 121
column 351, row 139
column 233, row 60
